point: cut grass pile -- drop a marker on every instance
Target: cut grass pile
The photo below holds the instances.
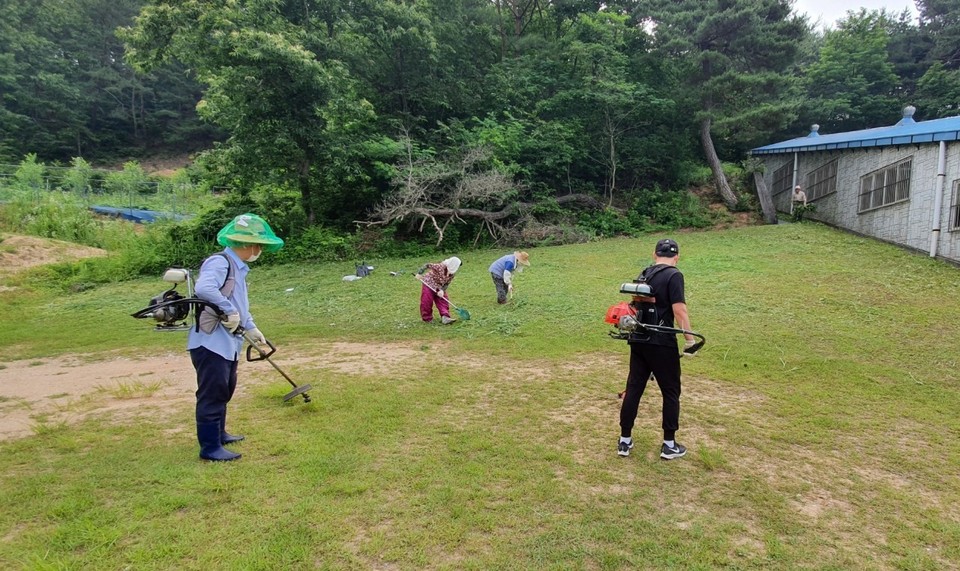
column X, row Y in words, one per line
column 821, row 420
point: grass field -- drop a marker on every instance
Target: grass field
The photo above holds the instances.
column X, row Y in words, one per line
column 822, row 420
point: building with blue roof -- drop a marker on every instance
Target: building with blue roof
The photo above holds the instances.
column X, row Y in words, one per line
column 900, row 184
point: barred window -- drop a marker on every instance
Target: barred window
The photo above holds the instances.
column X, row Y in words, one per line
column 955, row 207
column 886, row 186
column 783, row 178
column 822, row 181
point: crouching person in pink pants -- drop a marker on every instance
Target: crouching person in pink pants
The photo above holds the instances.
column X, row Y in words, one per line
column 436, row 279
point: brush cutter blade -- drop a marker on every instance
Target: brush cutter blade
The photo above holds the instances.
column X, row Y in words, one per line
column 298, row 391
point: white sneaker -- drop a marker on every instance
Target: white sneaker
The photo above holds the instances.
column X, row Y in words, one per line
column 447, row 320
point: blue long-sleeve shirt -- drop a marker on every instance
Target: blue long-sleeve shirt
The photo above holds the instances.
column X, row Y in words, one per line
column 213, row 274
column 506, row 263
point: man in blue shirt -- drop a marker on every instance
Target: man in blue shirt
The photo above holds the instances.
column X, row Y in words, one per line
column 215, row 342
column 502, row 272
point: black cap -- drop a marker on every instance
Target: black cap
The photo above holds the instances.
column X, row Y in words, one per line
column 667, row 248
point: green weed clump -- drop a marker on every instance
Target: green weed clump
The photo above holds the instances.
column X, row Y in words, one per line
column 661, row 210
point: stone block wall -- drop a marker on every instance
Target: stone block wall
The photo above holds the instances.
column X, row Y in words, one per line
column 907, row 223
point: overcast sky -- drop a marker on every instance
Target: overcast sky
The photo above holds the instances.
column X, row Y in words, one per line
column 829, row 11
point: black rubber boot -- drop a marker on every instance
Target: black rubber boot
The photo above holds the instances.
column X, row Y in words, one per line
column 226, row 437
column 208, row 434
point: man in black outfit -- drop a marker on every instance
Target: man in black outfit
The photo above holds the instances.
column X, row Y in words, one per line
column 658, row 353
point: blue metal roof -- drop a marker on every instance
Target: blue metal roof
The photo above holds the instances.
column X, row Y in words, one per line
column 906, row 132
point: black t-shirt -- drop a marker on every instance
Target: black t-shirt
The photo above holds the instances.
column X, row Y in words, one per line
column 666, row 283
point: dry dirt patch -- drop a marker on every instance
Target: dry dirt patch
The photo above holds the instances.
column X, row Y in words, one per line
column 69, row 388
column 18, row 253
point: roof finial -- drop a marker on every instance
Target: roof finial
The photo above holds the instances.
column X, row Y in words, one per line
column 813, row 130
column 908, row 112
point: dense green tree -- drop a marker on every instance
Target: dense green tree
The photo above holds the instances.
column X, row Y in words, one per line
column 941, row 20
column 66, row 90
column 733, row 55
column 603, row 95
column 853, row 84
column 908, row 48
column 41, row 109
column 938, row 92
column 291, row 117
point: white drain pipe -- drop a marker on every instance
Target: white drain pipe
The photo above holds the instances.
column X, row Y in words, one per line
column 796, row 163
column 938, row 199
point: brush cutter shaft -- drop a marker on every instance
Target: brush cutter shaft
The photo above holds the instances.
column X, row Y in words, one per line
column 675, row 330
column 664, row 329
column 265, row 356
column 625, row 334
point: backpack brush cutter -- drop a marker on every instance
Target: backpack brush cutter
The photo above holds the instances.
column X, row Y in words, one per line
column 627, row 319
column 633, row 318
column 171, row 310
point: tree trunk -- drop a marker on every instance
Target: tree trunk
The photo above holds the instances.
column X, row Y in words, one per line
column 612, row 157
column 766, row 201
column 503, row 34
column 305, row 193
column 723, row 187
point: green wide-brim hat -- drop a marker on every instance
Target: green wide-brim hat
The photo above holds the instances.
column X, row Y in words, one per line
column 249, row 229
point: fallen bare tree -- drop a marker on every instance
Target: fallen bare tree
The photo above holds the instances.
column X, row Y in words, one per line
column 441, row 193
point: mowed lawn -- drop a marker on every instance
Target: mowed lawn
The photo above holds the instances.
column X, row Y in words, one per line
column 822, row 420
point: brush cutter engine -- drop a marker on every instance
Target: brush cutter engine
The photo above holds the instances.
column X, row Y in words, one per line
column 170, row 309
column 167, row 310
column 624, row 316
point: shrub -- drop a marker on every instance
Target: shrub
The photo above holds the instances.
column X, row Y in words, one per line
column 658, row 209
column 389, row 242
column 29, row 175
column 78, row 178
column 56, row 215
column 693, row 174
column 536, row 234
column 317, row 243
column 606, row 222
column 131, row 181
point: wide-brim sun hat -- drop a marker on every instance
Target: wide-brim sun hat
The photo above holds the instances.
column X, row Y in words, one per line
column 523, row 258
column 453, row 264
column 248, row 229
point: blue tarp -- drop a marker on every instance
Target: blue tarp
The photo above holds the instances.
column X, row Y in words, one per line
column 137, row 215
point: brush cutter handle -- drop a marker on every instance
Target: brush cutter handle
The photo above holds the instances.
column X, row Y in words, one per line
column 692, row 350
column 264, row 355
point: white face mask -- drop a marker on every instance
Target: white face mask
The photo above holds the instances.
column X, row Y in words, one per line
column 254, row 257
